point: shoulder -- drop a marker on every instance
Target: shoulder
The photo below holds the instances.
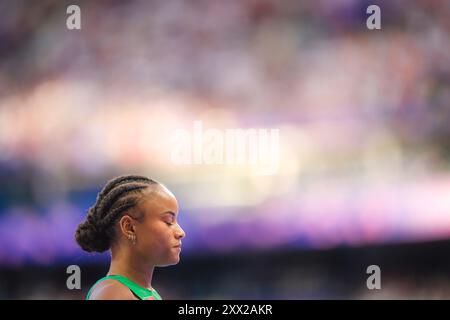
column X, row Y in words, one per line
column 111, row 289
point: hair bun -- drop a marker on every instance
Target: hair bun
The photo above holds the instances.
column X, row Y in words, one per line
column 91, row 238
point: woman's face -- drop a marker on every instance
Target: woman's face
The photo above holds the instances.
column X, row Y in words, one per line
column 158, row 234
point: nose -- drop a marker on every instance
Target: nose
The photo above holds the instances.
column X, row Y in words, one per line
column 179, row 232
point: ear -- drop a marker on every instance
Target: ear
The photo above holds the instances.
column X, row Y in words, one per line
column 126, row 225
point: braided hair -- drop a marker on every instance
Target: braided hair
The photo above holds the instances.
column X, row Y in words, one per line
column 120, row 194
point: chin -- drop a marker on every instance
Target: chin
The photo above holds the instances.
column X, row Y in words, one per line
column 171, row 262
column 176, row 260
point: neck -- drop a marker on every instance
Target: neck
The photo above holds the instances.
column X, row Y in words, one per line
column 131, row 267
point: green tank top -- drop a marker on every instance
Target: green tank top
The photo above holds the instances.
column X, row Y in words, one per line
column 141, row 292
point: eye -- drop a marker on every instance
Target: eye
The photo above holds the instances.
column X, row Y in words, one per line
column 169, row 219
column 169, row 222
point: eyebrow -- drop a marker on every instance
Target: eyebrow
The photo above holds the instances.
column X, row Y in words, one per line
column 169, row 212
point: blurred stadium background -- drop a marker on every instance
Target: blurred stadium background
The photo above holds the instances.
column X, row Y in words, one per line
column 364, row 159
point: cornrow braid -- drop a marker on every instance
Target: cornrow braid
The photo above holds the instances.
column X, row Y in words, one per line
column 117, row 196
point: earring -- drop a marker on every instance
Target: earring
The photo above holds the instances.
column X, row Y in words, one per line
column 132, row 238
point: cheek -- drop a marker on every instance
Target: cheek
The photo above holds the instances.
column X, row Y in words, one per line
column 155, row 235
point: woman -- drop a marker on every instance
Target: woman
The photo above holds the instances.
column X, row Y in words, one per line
column 136, row 218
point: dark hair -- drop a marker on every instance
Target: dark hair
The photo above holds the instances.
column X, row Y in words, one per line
column 120, row 194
